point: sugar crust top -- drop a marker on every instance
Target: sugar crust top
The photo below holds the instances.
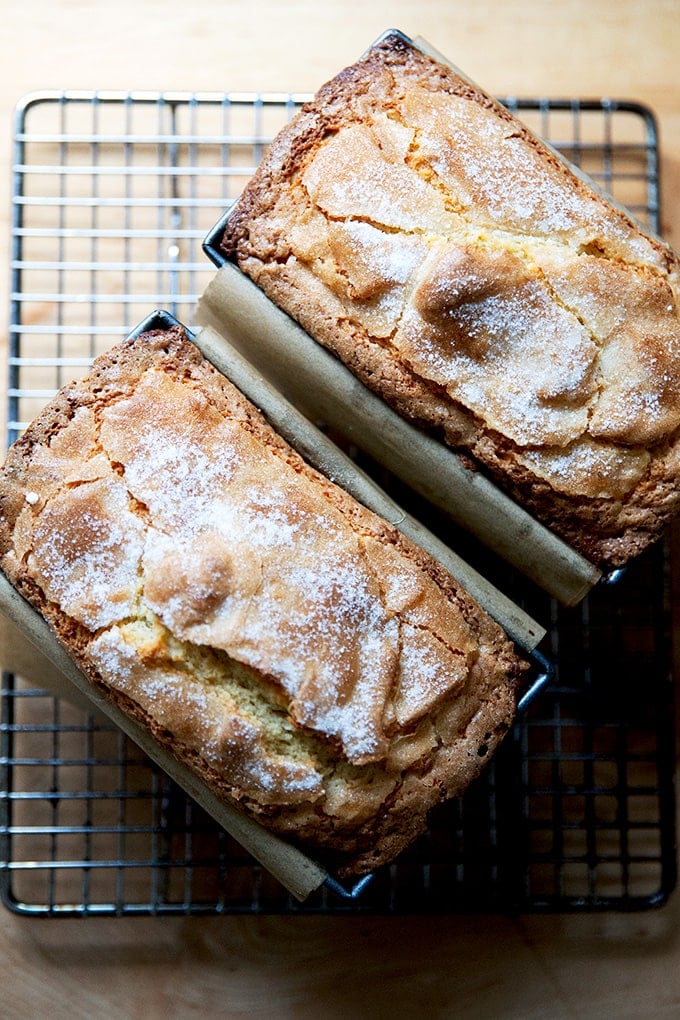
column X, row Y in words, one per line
column 415, row 227
column 305, row 658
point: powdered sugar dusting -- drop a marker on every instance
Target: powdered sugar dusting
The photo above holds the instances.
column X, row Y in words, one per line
column 87, row 546
column 452, row 172
column 516, row 359
column 350, row 177
column 589, row 468
column 425, row 676
column 501, row 179
column 393, row 257
column 269, row 572
column 201, row 534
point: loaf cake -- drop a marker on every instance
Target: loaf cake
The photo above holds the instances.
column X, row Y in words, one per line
column 415, row 228
column 310, row 663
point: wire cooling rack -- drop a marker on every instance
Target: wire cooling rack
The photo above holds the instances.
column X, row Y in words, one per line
column 113, row 195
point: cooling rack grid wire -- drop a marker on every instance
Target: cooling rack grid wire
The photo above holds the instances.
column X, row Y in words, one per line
column 113, row 195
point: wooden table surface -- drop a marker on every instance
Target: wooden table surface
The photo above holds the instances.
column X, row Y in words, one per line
column 529, row 967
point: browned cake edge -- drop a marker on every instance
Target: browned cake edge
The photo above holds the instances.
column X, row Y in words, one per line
column 463, row 751
column 607, row 531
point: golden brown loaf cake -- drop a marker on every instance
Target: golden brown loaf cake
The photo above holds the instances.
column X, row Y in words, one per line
column 307, row 660
column 464, row 273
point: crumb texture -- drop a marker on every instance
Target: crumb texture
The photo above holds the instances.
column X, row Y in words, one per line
column 417, row 229
column 307, row 660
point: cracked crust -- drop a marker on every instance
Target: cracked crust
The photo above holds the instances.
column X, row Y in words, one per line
column 419, row 231
column 299, row 653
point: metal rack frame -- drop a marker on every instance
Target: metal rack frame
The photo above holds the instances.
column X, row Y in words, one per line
column 113, row 195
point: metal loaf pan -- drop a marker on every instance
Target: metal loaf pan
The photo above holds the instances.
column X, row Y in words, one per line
column 297, row 872
column 324, row 389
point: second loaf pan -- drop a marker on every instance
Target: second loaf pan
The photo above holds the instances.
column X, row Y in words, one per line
column 321, row 386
